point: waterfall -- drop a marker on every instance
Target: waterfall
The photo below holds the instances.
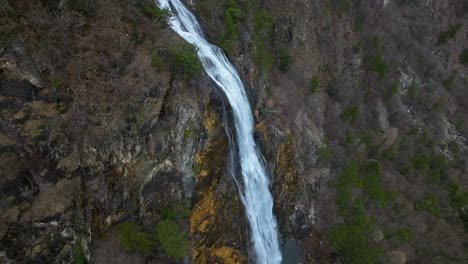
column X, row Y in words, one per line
column 255, row 195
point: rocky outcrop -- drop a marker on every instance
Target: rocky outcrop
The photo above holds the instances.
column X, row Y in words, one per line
column 17, row 64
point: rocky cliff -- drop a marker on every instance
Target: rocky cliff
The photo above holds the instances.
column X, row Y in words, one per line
column 111, row 135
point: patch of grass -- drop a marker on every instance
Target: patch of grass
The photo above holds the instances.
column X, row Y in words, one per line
column 464, row 57
column 173, row 241
column 231, row 18
column 429, row 204
column 351, row 241
column 377, row 64
column 350, row 114
column 184, row 61
column 284, row 60
column 314, row 84
column 133, row 239
column 263, row 35
column 449, row 34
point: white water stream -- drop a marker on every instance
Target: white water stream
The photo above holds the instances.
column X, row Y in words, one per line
column 255, row 194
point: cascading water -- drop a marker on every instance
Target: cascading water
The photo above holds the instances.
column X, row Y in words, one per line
column 255, row 194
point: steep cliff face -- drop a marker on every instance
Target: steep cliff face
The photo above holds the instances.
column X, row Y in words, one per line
column 359, row 108
column 360, row 116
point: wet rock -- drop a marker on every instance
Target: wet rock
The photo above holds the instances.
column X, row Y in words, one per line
column 17, row 64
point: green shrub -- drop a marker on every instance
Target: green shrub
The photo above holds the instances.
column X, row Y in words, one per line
column 324, row 155
column 341, row 6
column 349, row 139
column 437, row 166
column 420, row 161
column 151, row 10
column 82, row 6
column 177, row 211
column 429, row 204
column 344, row 196
column 133, row 239
column 433, row 165
column 55, row 82
column 358, row 47
column 156, row 61
column 377, row 64
column 350, row 114
column 349, row 175
column 391, row 152
column 464, row 57
column 347, row 179
column 79, row 257
column 403, row 235
column 459, row 201
column 173, row 241
column 448, row 83
column 231, row 18
column 447, row 35
column 184, row 61
column 283, row 60
column 351, row 241
column 10, row 25
column 390, row 91
column 263, row 35
column 371, row 183
column 314, row 84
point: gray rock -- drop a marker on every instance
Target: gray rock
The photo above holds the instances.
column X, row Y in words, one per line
column 396, row 257
column 51, row 200
column 17, row 64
